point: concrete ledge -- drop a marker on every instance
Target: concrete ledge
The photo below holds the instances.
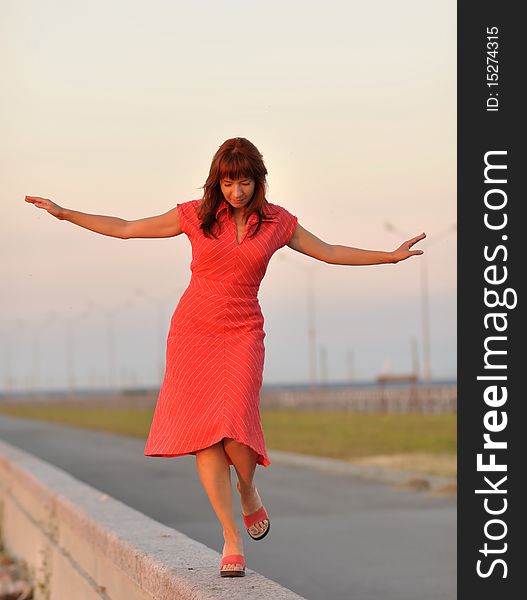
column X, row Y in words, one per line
column 80, row 543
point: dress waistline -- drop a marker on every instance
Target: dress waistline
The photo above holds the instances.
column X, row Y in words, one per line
column 227, row 288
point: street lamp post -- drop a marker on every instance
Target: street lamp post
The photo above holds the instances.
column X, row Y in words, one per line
column 8, row 377
column 312, row 330
column 71, row 348
column 110, row 315
column 22, row 324
column 425, row 304
column 160, row 305
column 311, row 316
column 38, row 336
column 351, row 366
column 70, row 358
column 425, row 313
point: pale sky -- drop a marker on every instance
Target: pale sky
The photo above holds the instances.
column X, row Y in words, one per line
column 117, row 108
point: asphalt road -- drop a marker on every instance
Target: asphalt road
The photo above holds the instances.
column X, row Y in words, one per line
column 333, row 537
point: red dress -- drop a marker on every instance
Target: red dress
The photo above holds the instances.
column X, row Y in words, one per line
column 215, row 347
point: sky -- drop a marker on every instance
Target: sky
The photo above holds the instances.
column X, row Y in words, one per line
column 116, row 108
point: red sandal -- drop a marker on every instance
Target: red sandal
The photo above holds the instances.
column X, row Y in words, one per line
column 259, row 515
column 232, row 559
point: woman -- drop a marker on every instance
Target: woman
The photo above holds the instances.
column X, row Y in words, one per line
column 208, row 404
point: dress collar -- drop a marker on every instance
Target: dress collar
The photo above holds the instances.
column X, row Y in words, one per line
column 224, row 205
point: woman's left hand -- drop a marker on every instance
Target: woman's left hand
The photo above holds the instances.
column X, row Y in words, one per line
column 404, row 252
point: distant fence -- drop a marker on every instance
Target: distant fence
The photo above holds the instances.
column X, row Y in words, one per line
column 403, row 399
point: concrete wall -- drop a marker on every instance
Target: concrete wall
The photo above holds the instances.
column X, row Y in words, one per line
column 81, row 544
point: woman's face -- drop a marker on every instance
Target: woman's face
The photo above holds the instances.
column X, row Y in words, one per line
column 237, row 192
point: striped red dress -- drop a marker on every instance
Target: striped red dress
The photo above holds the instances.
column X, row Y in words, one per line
column 215, row 347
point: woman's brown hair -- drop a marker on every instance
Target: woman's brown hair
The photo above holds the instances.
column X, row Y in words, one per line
column 236, row 158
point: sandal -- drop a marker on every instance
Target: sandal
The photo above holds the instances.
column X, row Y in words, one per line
column 232, row 559
column 255, row 517
column 250, row 520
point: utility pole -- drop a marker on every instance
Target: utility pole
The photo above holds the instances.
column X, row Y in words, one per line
column 425, row 304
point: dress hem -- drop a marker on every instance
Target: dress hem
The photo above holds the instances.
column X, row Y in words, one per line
column 261, row 460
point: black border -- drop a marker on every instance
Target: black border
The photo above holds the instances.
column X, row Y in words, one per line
column 480, row 131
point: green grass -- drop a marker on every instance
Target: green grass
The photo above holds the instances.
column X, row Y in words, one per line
column 347, row 436
column 350, row 436
column 121, row 420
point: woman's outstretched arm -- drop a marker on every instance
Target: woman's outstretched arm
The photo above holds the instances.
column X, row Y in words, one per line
column 305, row 242
column 165, row 225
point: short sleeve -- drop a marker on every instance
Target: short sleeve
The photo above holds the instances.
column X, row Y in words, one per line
column 289, row 222
column 186, row 212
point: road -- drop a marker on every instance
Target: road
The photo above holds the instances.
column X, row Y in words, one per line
column 333, row 537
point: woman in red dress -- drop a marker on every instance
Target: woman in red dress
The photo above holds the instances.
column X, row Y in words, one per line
column 208, row 404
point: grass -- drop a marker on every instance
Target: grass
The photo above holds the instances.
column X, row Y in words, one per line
column 424, row 443
column 421, row 442
column 429, row 463
column 121, row 420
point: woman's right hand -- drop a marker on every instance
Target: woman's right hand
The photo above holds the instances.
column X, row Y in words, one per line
column 52, row 208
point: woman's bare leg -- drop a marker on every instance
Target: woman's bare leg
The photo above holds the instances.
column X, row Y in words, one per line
column 244, row 460
column 215, row 475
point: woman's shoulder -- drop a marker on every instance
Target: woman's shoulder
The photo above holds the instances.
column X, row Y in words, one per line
column 190, row 206
column 195, row 203
column 189, row 203
column 286, row 223
column 277, row 210
column 188, row 214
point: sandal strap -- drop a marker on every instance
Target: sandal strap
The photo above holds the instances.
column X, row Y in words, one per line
column 259, row 515
column 233, row 559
